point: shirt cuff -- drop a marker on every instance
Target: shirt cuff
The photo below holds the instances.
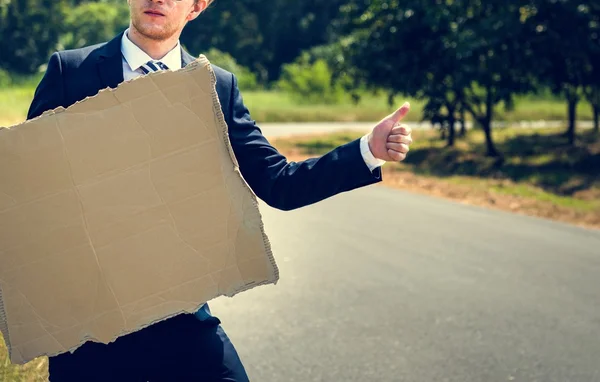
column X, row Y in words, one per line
column 367, row 155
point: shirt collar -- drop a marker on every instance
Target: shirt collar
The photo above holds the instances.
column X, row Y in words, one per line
column 136, row 57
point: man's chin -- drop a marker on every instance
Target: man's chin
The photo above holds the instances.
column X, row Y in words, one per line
column 155, row 32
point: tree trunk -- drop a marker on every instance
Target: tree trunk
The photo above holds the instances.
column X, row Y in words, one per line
column 463, row 128
column 451, row 120
column 486, row 124
column 489, row 142
column 390, row 99
column 451, row 130
column 572, row 109
column 596, row 114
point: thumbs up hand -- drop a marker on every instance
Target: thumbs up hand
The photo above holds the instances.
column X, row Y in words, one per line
column 390, row 140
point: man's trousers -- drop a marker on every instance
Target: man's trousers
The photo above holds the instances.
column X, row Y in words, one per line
column 181, row 348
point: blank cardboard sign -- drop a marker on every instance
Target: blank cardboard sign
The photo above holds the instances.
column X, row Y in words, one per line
column 120, row 211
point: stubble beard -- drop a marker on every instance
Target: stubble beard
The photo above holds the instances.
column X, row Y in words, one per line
column 153, row 32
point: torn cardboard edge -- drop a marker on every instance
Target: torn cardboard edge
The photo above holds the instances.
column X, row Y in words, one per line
column 202, row 62
column 4, row 323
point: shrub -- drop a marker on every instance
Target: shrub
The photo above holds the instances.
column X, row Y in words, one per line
column 310, row 82
column 246, row 79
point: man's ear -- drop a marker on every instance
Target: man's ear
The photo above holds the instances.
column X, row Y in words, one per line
column 198, row 8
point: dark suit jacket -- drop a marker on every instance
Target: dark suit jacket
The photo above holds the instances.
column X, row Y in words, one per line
column 75, row 74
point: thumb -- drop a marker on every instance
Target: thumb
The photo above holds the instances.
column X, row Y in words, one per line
column 401, row 112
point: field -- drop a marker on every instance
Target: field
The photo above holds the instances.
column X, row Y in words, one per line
column 274, row 106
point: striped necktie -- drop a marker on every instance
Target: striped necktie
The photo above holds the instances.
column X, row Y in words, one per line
column 153, row 66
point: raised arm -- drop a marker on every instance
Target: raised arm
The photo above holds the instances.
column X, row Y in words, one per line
column 289, row 185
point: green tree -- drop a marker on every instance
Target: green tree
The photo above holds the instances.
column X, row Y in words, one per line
column 593, row 89
column 94, row 22
column 563, row 43
column 230, row 27
column 496, row 58
column 262, row 35
column 30, row 30
column 459, row 55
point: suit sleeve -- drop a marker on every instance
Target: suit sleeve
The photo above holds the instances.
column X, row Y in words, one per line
column 50, row 91
column 290, row 185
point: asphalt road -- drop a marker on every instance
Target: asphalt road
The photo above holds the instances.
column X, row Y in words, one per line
column 382, row 285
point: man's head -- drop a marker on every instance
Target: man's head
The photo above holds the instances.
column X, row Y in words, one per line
column 163, row 19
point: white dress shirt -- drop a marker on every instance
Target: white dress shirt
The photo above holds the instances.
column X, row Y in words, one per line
column 134, row 58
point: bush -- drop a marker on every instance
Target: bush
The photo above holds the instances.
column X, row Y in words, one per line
column 246, row 79
column 335, row 56
column 310, row 82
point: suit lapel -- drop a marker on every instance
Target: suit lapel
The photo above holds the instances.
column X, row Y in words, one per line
column 186, row 58
column 110, row 63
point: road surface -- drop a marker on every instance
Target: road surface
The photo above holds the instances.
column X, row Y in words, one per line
column 382, row 285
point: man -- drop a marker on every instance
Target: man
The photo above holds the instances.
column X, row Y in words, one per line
column 194, row 347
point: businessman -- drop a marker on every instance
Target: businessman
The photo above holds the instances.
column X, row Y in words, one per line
column 194, row 347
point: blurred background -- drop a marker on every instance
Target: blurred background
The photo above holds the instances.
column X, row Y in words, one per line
column 505, row 94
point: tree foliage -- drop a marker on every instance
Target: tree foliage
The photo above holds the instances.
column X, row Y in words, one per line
column 30, row 30
column 461, row 54
column 566, row 36
column 92, row 22
column 262, row 35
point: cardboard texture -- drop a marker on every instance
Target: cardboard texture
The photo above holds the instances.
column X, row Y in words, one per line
column 120, row 211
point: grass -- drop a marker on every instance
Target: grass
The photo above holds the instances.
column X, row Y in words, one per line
column 16, row 98
column 538, row 169
column 14, row 103
column 528, row 108
column 273, row 106
column 265, row 106
column 36, row 370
